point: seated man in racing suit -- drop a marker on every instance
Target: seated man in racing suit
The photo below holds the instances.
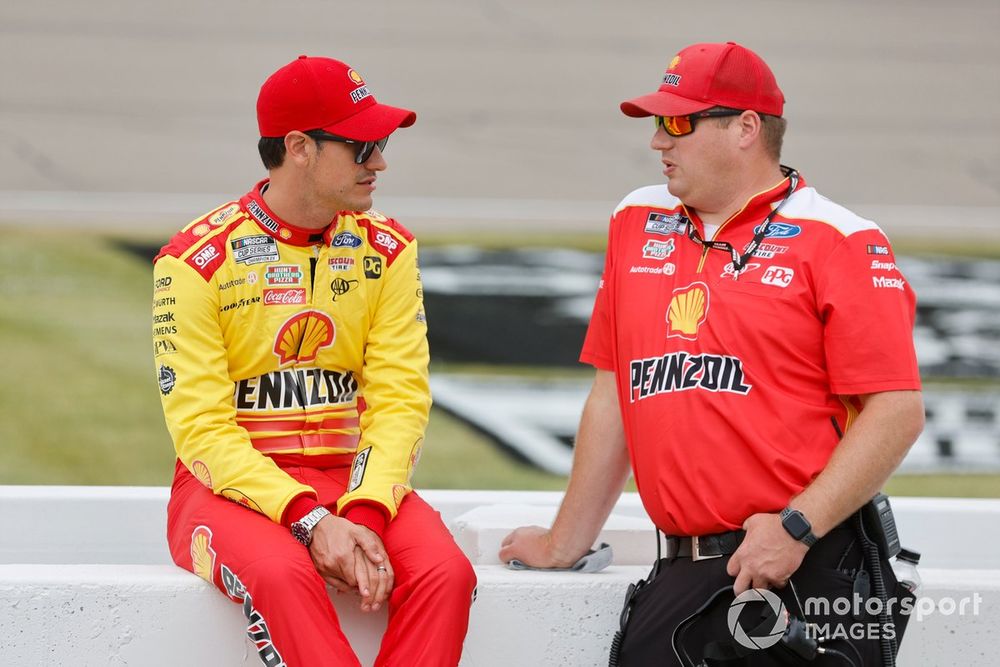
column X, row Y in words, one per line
column 291, row 351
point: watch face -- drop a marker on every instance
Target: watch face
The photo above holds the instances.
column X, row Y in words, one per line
column 796, row 525
column 301, row 533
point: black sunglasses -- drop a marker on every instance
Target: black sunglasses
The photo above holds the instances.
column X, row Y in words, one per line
column 740, row 259
column 365, row 148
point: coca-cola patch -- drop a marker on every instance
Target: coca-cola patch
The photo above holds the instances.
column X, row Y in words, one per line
column 284, row 297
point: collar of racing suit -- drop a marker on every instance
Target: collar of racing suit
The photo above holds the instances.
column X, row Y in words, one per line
column 253, row 203
column 754, row 210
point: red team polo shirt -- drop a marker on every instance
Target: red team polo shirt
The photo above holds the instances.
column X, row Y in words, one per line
column 729, row 385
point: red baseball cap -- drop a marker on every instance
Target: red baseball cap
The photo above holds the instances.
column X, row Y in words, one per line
column 312, row 93
column 703, row 76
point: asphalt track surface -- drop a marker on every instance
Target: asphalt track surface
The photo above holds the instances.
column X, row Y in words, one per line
column 140, row 114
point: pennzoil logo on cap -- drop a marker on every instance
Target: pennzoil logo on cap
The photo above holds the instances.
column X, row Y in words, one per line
column 671, row 79
column 361, row 92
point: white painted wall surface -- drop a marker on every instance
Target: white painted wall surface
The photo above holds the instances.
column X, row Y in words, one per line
column 85, row 579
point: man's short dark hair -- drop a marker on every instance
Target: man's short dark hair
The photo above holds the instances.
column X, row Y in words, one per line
column 772, row 132
column 272, row 151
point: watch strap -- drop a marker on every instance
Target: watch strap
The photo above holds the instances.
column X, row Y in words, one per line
column 303, row 528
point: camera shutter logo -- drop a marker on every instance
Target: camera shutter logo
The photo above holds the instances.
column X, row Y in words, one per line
column 771, row 636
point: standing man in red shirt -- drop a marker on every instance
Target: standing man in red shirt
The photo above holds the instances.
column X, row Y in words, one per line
column 755, row 362
column 291, row 352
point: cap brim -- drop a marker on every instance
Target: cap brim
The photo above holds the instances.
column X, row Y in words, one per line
column 372, row 123
column 662, row 103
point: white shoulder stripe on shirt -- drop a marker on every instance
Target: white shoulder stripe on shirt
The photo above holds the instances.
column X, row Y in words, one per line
column 652, row 195
column 808, row 204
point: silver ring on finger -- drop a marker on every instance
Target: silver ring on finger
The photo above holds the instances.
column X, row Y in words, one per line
column 381, row 568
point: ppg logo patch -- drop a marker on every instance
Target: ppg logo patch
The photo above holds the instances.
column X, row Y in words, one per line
column 779, row 276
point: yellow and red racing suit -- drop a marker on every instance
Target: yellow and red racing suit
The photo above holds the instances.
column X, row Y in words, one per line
column 276, row 344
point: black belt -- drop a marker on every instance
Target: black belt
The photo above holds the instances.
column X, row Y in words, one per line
column 704, row 546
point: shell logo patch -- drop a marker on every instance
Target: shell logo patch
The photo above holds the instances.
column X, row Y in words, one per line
column 687, row 311
column 201, row 473
column 202, row 553
column 398, row 494
column 302, row 336
column 674, row 63
column 355, row 77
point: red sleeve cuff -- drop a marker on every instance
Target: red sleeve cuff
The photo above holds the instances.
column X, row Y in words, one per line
column 298, row 508
column 370, row 515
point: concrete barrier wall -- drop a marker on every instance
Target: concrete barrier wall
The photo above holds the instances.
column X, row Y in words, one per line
column 85, row 579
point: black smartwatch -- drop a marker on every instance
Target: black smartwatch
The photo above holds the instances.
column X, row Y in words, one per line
column 798, row 526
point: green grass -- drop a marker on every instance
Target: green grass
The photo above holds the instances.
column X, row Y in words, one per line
column 954, row 486
column 79, row 401
column 79, row 404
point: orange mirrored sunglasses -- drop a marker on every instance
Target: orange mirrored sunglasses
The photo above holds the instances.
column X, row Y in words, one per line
column 678, row 126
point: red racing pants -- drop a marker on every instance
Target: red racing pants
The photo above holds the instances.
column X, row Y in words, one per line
column 258, row 564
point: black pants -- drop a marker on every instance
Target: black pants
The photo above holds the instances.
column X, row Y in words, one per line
column 683, row 586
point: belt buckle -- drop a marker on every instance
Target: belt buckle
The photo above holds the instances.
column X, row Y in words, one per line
column 696, row 551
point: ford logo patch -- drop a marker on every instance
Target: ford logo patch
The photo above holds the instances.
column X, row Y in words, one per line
column 346, row 240
column 780, row 230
